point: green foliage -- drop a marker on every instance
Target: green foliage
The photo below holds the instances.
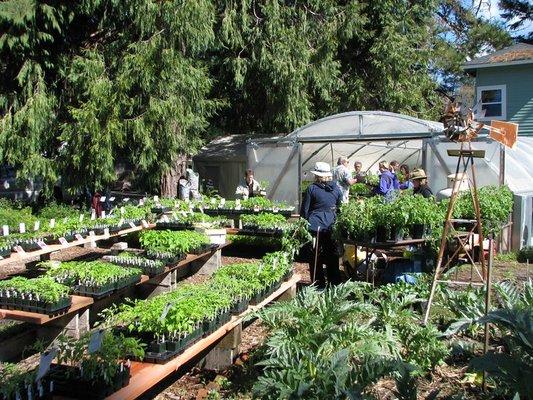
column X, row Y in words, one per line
column 496, row 203
column 263, row 220
column 90, row 273
column 103, row 364
column 14, row 379
column 525, row 254
column 43, row 289
column 357, row 219
column 335, row 343
column 172, row 242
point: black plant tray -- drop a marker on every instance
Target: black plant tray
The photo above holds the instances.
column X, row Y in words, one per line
column 204, row 249
column 160, row 210
column 167, row 260
column 258, row 297
column 68, row 383
column 288, row 275
column 40, row 307
column 6, row 252
column 128, row 282
column 177, row 226
column 96, row 292
column 160, row 353
column 23, row 391
column 239, row 306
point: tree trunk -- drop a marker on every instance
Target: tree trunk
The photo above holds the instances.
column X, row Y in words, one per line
column 169, row 180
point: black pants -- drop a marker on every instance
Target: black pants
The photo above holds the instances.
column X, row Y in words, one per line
column 327, row 256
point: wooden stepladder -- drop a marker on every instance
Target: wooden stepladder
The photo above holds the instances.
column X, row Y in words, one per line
column 466, row 240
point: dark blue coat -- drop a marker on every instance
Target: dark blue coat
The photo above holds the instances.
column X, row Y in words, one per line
column 320, row 205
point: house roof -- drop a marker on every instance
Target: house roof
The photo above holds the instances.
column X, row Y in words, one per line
column 520, row 53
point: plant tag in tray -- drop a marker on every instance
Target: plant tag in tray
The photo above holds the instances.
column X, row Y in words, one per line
column 44, row 363
column 126, row 199
column 165, row 311
column 36, row 225
column 156, row 199
column 174, row 215
column 63, row 241
column 102, row 199
column 5, row 230
column 93, row 215
column 132, row 224
column 103, row 214
column 19, row 250
column 213, row 200
column 22, row 227
column 165, row 218
column 111, row 199
column 106, row 232
column 144, row 223
column 42, row 244
column 122, row 210
column 141, row 202
column 52, row 223
column 95, row 343
column 78, row 237
column 81, row 217
column 222, row 201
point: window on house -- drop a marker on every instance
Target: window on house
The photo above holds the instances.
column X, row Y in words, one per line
column 492, row 102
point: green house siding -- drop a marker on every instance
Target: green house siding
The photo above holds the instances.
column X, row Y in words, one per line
column 519, row 82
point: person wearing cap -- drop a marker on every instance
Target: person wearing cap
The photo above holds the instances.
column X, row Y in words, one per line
column 420, row 183
column 319, row 207
column 248, row 187
column 388, row 182
column 343, row 177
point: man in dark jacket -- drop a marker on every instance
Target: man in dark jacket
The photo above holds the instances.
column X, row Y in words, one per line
column 319, row 208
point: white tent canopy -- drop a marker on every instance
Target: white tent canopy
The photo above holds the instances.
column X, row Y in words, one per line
column 372, row 136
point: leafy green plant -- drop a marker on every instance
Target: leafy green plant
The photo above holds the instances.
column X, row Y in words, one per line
column 357, row 219
column 173, row 242
column 42, row 289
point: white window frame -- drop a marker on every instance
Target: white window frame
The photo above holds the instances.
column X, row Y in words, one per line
column 503, row 89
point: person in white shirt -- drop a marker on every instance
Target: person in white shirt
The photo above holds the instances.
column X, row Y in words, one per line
column 248, row 187
column 343, row 177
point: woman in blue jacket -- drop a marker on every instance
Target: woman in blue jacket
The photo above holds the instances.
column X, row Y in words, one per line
column 321, row 202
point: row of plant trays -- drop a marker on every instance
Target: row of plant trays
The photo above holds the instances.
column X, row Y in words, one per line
column 66, row 381
column 31, row 391
column 34, row 244
column 36, row 306
column 100, row 291
column 254, row 230
column 160, row 352
column 149, row 267
column 384, row 234
column 234, row 211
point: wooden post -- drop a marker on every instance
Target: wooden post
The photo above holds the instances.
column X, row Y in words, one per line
column 487, row 303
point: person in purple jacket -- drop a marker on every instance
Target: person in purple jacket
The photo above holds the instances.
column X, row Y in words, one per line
column 319, row 207
column 388, row 181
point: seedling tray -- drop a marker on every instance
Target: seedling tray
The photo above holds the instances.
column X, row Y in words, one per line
column 40, row 307
column 178, row 226
column 203, row 249
column 239, row 306
column 5, row 252
column 96, row 292
column 77, row 388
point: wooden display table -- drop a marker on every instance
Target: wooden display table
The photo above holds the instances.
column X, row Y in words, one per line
column 78, row 303
column 25, row 256
column 146, row 375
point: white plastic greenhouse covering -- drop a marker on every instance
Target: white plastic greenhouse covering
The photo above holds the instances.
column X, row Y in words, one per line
column 372, row 136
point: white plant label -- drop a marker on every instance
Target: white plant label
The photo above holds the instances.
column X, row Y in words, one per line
column 5, row 230
column 165, row 218
column 144, row 223
column 103, row 214
column 122, row 210
column 222, row 201
column 141, row 202
column 93, row 215
column 126, row 199
column 81, row 217
column 52, row 223
column 22, row 227
column 213, row 200
column 174, row 215
column 92, row 234
column 42, row 244
column 106, row 232
column 132, row 224
column 111, row 199
column 36, row 225
column 63, row 241
column 44, row 363
column 102, row 199
column 156, row 199
column 95, row 343
column 78, row 237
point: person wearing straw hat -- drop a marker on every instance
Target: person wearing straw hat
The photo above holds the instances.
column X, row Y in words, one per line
column 319, row 207
column 420, row 183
